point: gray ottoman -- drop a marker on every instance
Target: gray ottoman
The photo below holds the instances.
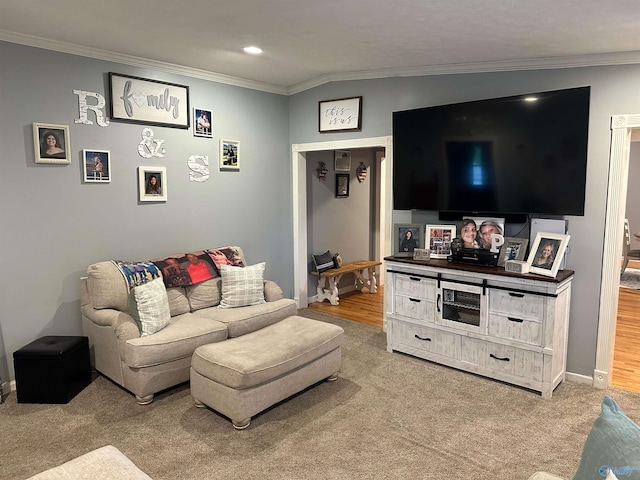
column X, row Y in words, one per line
column 242, row 376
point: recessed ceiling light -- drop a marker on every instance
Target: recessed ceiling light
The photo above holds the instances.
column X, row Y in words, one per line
column 530, row 99
column 253, row 50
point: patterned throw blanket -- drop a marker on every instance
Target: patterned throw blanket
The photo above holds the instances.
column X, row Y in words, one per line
column 137, row 273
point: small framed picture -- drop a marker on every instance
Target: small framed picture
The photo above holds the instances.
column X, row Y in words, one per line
column 406, row 238
column 546, row 253
column 97, row 165
column 439, row 238
column 152, row 184
column 202, row 122
column 342, row 185
column 51, row 143
column 513, row 249
column 229, row 155
column 342, row 160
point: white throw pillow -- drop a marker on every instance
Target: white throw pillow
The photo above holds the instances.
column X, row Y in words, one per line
column 149, row 306
column 242, row 286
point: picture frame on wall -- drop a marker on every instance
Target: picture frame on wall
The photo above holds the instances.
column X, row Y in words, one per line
column 342, row 185
column 406, row 238
column 229, row 155
column 547, row 252
column 51, row 143
column 439, row 238
column 97, row 166
column 342, row 160
column 202, row 122
column 340, row 115
column 147, row 101
column 152, row 184
column 513, row 249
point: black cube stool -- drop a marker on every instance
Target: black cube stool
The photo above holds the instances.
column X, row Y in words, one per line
column 52, row 369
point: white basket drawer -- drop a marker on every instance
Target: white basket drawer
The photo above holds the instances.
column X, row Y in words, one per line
column 415, row 287
column 516, row 304
column 513, row 328
column 511, row 360
column 416, row 308
column 427, row 339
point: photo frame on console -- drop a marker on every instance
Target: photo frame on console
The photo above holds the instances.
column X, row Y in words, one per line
column 547, row 252
column 406, row 238
column 513, row 249
column 438, row 239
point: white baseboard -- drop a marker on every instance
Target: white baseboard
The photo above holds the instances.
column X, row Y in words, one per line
column 578, row 378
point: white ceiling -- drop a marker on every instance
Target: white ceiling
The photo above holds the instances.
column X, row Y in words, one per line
column 307, row 43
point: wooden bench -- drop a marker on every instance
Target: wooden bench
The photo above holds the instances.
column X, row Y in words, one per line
column 334, row 275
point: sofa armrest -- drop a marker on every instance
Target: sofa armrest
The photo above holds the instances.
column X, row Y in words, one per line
column 272, row 291
column 122, row 324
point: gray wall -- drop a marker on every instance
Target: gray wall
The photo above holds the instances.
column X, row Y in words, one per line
column 341, row 225
column 613, row 91
column 54, row 225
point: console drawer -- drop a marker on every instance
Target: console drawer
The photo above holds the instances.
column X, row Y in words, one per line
column 516, row 304
column 427, row 339
column 521, row 330
column 417, row 308
column 415, row 287
column 501, row 358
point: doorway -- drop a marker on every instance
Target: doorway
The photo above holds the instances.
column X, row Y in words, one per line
column 299, row 190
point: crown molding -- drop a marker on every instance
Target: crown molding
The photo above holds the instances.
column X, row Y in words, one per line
column 546, row 63
column 64, row 47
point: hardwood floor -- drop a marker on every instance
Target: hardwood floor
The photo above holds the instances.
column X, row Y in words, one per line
column 367, row 308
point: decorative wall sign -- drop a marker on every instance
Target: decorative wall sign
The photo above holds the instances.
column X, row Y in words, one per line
column 199, row 168
column 97, row 165
column 51, row 143
column 97, row 108
column 139, row 100
column 149, row 146
column 229, row 155
column 202, row 122
column 152, row 184
column 342, row 160
column 340, row 115
column 361, row 172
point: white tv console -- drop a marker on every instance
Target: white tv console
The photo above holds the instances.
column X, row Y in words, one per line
column 507, row 326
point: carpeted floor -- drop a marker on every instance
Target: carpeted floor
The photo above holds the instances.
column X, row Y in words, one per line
column 630, row 279
column 388, row 416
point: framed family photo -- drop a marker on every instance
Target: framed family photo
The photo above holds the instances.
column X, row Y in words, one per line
column 406, row 238
column 229, row 155
column 439, row 238
column 513, row 249
column 152, row 184
column 547, row 252
column 51, row 143
column 202, row 122
column 97, row 165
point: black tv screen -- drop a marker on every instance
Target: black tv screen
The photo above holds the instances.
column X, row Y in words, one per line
column 511, row 155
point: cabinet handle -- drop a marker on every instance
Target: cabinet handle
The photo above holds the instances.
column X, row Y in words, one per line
column 438, row 303
column 414, row 300
column 415, row 279
column 516, row 320
column 426, row 339
column 517, row 295
column 505, row 359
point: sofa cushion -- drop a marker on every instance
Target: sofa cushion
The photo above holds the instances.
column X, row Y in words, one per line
column 179, row 339
column 243, row 320
column 251, row 360
column 149, row 307
column 106, row 287
column 205, row 294
column 178, row 301
column 242, row 286
column 613, row 442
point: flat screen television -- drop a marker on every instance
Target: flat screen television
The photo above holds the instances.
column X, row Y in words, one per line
column 524, row 154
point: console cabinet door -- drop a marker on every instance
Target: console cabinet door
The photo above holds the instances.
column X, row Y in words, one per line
column 414, row 297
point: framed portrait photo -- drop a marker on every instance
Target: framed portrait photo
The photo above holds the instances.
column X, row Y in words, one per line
column 97, row 166
column 152, row 184
column 406, row 238
column 439, row 238
column 513, row 249
column 342, row 185
column 547, row 252
column 51, row 143
column 202, row 122
column 229, row 155
column 486, row 226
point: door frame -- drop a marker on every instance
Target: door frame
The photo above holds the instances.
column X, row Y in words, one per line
column 299, row 195
column 621, row 130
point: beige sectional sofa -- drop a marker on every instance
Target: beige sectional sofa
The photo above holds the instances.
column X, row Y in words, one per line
column 147, row 364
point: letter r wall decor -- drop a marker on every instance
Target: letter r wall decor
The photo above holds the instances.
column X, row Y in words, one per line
column 139, row 100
